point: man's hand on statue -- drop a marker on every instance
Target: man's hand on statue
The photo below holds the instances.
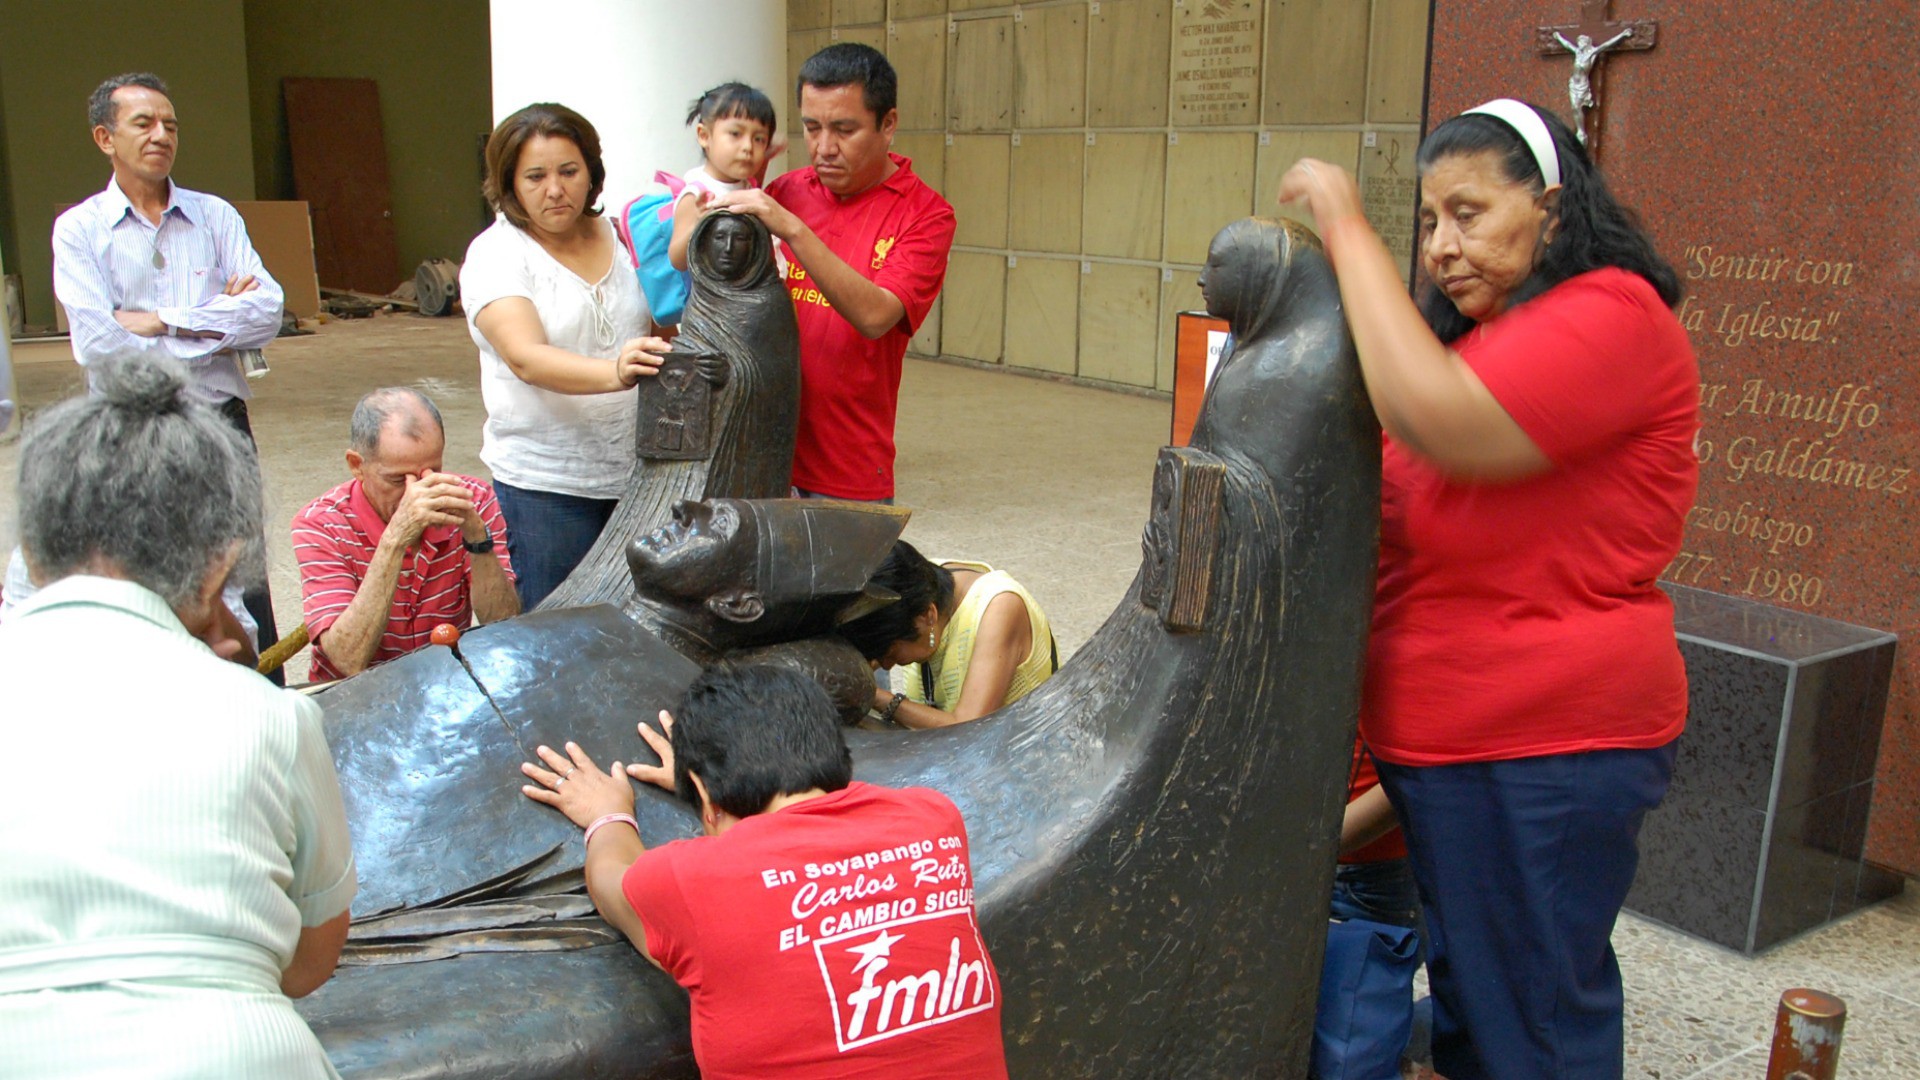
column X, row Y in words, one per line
column 640, row 358
column 143, row 323
column 753, row 201
column 660, row 775
column 240, row 283
column 572, row 784
column 1327, row 191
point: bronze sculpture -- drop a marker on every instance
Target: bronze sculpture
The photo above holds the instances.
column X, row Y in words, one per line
column 1153, row 829
column 734, row 376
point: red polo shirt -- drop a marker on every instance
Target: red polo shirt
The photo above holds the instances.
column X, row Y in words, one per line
column 334, row 538
column 897, row 235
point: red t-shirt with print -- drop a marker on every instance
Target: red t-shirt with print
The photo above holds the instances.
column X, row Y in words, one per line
column 1523, row 618
column 896, row 234
column 832, row 938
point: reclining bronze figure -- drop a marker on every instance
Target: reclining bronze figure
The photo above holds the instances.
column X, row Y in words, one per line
column 1153, row 830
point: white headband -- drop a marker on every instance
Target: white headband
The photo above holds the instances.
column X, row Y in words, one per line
column 1523, row 120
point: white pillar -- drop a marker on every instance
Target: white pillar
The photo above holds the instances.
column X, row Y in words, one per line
column 633, row 68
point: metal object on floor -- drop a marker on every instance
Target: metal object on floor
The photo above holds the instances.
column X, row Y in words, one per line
column 436, row 286
column 344, row 305
column 1806, row 1036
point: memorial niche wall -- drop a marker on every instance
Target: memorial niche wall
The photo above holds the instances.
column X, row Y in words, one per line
column 1091, row 150
column 1793, row 240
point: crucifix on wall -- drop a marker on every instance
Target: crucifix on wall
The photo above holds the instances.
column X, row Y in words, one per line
column 1589, row 41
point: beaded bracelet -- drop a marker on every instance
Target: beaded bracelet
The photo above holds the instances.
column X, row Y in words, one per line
column 608, row 820
column 893, row 706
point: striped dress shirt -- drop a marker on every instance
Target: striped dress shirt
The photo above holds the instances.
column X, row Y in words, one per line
column 103, row 261
column 149, row 916
column 334, row 538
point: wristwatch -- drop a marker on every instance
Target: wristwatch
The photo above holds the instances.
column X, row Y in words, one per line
column 478, row 547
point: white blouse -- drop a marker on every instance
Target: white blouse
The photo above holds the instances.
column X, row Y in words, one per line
column 569, row 444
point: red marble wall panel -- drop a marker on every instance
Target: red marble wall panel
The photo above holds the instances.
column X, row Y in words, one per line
column 1773, row 151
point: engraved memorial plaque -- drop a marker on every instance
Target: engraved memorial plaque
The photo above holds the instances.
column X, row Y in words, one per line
column 1390, row 194
column 1216, row 63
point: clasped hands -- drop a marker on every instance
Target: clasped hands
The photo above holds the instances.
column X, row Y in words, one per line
column 148, row 324
column 577, row 787
column 435, row 499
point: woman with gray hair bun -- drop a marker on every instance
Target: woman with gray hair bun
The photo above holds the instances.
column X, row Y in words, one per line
column 160, row 924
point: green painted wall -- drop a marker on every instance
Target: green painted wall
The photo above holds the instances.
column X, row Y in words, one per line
column 54, row 52
column 433, row 61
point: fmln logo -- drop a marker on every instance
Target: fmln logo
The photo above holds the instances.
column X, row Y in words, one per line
column 903, row 976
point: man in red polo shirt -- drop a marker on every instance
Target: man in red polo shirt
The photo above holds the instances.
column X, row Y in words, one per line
column 402, row 547
column 866, row 244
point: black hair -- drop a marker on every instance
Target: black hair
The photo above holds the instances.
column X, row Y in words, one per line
column 1594, row 229
column 756, row 732
column 731, row 99
column 919, row 583
column 101, row 110
column 853, row 64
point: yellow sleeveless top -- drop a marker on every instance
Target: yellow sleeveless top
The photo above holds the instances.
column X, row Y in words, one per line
column 948, row 666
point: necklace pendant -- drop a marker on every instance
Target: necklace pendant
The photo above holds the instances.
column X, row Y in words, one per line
column 159, row 260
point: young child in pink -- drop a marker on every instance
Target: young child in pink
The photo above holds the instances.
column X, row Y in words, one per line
column 735, row 125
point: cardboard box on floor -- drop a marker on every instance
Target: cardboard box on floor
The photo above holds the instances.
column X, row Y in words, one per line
column 282, row 232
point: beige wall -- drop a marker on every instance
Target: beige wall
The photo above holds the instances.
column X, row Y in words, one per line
column 1088, row 176
column 431, row 59
column 52, row 55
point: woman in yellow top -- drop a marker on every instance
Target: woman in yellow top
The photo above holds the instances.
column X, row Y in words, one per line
column 973, row 638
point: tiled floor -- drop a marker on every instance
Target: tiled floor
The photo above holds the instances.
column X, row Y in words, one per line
column 1050, row 481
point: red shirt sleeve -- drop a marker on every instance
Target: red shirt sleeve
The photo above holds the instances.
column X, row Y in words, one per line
column 329, row 577
column 652, row 886
column 916, row 265
column 488, row 507
column 1582, row 364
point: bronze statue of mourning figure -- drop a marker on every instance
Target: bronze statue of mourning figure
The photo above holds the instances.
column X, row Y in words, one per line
column 767, row 581
column 1153, row 830
column 719, row 419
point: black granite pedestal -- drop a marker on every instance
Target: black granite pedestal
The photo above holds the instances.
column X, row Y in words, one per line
column 1762, row 833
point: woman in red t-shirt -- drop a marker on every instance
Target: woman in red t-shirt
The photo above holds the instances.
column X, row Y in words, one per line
column 1524, row 689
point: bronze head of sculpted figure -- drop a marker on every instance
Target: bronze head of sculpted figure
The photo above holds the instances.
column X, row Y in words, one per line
column 735, row 573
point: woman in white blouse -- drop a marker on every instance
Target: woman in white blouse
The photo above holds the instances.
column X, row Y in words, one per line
column 562, row 328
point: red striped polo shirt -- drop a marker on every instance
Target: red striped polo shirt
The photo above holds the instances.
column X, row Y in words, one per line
column 334, row 538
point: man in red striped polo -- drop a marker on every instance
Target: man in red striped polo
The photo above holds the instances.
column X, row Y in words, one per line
column 402, row 547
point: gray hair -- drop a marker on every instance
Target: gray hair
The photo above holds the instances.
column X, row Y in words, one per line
column 141, row 478
column 102, row 112
column 402, row 405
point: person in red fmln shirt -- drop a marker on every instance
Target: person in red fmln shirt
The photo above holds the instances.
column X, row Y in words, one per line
column 823, row 928
column 866, row 243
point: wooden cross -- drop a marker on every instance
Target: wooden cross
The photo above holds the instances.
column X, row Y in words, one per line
column 1588, row 41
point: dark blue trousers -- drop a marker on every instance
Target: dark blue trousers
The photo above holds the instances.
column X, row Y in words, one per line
column 547, row 536
column 1523, row 866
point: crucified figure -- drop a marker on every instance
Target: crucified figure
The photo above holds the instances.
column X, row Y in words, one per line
column 1580, row 85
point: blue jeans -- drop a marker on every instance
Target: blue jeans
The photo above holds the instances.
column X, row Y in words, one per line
column 547, row 536
column 1523, row 866
column 1383, row 891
